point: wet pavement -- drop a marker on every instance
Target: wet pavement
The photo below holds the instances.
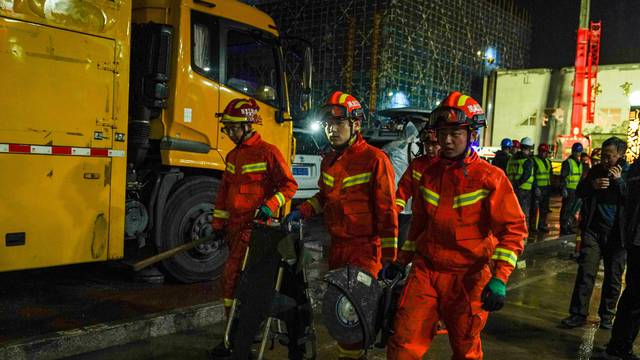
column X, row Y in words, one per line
column 527, row 328
column 42, row 301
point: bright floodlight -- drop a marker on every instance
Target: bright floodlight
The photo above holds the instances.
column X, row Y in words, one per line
column 634, row 98
column 315, row 126
column 399, row 100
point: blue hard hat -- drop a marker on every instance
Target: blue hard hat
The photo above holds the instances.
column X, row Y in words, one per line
column 577, row 148
column 506, row 142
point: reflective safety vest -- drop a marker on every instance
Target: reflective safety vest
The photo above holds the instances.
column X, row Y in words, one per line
column 542, row 175
column 575, row 173
column 515, row 169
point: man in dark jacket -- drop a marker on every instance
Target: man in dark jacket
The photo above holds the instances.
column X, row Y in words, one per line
column 602, row 225
column 627, row 323
column 502, row 156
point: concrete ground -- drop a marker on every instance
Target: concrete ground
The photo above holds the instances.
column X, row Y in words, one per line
column 527, row 328
column 65, row 301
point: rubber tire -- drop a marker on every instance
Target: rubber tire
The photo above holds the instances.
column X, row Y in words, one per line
column 183, row 267
column 337, row 331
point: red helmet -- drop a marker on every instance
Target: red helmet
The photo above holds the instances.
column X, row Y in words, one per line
column 458, row 109
column 241, row 111
column 428, row 135
column 343, row 105
column 516, row 144
column 543, row 148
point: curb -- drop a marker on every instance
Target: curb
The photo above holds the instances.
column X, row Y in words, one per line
column 101, row 336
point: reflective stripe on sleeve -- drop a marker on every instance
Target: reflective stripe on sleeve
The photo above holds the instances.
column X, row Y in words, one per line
column 327, row 179
column 505, row 255
column 401, row 202
column 390, row 242
column 280, row 197
column 220, row 214
column 430, row 196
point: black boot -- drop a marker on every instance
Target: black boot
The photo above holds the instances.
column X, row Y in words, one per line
column 574, row 321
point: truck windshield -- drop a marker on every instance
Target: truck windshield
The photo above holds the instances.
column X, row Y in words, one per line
column 252, row 66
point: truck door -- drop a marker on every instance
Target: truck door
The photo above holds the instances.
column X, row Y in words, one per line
column 56, row 117
column 251, row 68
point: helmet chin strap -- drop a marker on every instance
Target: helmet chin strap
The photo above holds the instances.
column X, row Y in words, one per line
column 467, row 148
column 352, row 135
column 244, row 136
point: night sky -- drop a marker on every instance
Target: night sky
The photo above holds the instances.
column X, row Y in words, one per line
column 554, row 31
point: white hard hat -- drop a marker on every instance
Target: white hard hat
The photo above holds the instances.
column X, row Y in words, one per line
column 526, row 141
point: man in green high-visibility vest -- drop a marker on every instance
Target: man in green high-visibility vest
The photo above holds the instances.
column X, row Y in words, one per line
column 520, row 173
column 541, row 189
column 570, row 175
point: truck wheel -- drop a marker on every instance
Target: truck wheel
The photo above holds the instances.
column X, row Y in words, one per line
column 188, row 217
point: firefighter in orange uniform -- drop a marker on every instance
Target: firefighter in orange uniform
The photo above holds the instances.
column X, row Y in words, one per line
column 256, row 184
column 409, row 184
column 356, row 197
column 469, row 233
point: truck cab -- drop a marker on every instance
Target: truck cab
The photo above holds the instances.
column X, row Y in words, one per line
column 110, row 129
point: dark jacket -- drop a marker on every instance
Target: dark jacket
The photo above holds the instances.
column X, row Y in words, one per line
column 501, row 159
column 633, row 205
column 616, row 193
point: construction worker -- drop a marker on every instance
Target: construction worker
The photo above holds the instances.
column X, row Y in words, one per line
column 256, row 184
column 356, row 197
column 515, row 146
column 503, row 155
column 541, row 189
column 570, row 174
column 409, row 184
column 520, row 173
column 469, row 233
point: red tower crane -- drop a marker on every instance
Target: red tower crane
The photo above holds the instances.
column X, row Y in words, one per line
column 586, row 64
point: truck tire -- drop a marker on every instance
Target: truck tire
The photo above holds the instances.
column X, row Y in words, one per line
column 187, row 217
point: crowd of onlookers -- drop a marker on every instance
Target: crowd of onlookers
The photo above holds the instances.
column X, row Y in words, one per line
column 603, row 190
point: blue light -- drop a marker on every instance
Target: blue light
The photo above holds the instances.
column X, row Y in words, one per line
column 490, row 55
column 399, row 100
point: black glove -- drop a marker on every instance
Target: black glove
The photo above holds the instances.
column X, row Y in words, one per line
column 391, row 271
column 493, row 295
column 219, row 235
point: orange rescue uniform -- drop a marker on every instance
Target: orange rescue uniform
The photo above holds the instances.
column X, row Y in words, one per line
column 256, row 174
column 468, row 227
column 408, row 187
column 357, row 198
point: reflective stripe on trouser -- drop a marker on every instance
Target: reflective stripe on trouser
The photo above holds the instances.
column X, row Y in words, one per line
column 428, row 293
column 363, row 254
column 237, row 242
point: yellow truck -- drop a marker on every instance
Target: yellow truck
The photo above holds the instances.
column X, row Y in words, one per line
column 109, row 142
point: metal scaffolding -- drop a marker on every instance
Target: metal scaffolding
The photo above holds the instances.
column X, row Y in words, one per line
column 389, row 51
